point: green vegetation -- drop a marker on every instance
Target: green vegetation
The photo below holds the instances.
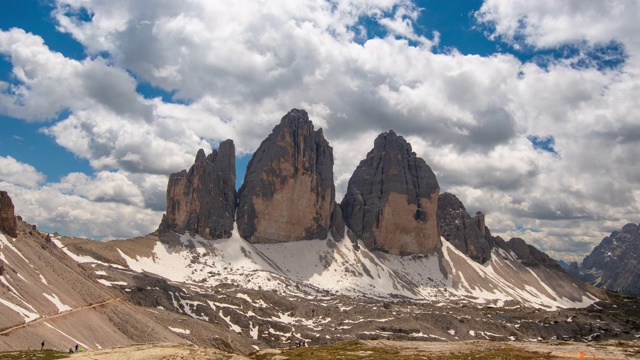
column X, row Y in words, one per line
column 359, row 350
column 47, row 354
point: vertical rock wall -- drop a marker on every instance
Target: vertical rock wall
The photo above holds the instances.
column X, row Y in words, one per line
column 8, row 223
column 392, row 199
column 203, row 199
column 288, row 192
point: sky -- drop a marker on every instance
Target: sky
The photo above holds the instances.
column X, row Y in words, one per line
column 526, row 110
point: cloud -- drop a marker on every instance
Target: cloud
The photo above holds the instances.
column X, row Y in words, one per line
column 13, row 171
column 104, row 187
column 549, row 23
column 110, row 141
column 54, row 211
column 46, row 82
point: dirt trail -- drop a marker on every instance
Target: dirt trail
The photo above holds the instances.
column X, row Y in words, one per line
column 6, row 331
column 157, row 352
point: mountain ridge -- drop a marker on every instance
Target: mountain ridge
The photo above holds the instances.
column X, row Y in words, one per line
column 321, row 281
column 613, row 264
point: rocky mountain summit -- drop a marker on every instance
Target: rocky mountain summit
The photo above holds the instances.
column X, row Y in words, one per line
column 614, row 263
column 392, row 199
column 392, row 204
column 203, row 199
column 288, row 192
column 472, row 237
column 8, row 223
column 468, row 234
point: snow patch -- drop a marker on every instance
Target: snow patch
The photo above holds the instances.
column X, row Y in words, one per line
column 56, row 301
column 253, row 331
column 26, row 314
column 69, row 337
column 180, row 331
column 44, row 281
column 232, row 326
column 111, row 283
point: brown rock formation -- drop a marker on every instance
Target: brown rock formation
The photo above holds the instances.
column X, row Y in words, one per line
column 392, row 199
column 288, row 192
column 203, row 200
column 8, row 223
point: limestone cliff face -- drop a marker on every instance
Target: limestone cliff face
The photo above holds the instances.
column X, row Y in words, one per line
column 614, row 263
column 202, row 201
column 288, row 192
column 392, row 199
column 8, row 223
column 468, row 234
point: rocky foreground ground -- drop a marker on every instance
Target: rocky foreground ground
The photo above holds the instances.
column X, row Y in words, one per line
column 370, row 349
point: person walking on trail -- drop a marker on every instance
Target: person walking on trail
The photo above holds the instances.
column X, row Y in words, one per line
column 76, row 347
column 42, row 346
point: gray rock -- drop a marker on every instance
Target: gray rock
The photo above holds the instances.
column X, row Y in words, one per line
column 392, row 199
column 468, row 234
column 288, row 192
column 8, row 223
column 614, row 263
column 202, row 201
column 528, row 254
column 337, row 223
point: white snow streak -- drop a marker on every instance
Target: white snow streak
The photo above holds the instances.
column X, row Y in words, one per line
column 180, row 331
column 54, row 299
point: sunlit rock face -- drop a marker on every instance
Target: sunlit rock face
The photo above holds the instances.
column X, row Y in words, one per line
column 392, row 199
column 288, row 192
column 202, row 200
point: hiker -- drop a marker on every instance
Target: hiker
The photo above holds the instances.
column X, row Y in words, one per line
column 70, row 350
column 42, row 346
column 76, row 347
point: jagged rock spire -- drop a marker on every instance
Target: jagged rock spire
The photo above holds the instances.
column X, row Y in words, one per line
column 202, row 201
column 288, row 192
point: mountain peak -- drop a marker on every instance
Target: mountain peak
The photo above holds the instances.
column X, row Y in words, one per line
column 203, row 199
column 392, row 198
column 614, row 262
column 288, row 192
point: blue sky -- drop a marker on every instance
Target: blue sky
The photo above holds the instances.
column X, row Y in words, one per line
column 508, row 101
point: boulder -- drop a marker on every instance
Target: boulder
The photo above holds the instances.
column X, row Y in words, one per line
column 288, row 192
column 8, row 223
column 392, row 199
column 202, row 200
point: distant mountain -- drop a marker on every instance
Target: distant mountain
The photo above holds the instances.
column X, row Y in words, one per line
column 563, row 264
column 615, row 263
